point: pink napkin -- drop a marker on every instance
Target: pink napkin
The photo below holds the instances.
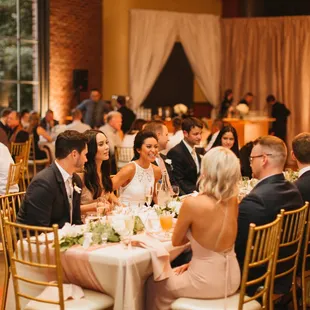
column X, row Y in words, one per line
column 160, row 256
column 51, row 293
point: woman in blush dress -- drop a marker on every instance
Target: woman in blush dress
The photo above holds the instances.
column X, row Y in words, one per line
column 139, row 175
column 96, row 177
column 209, row 223
column 228, row 138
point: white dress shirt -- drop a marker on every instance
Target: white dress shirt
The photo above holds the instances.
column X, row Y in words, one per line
column 194, row 155
column 303, row 170
column 213, row 138
column 78, row 126
column 5, row 161
column 69, row 186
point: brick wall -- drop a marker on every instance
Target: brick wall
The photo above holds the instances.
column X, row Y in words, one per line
column 75, row 43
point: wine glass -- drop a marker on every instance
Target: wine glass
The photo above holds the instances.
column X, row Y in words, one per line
column 129, row 225
column 148, row 195
column 152, row 223
column 102, row 207
column 175, row 191
column 166, row 223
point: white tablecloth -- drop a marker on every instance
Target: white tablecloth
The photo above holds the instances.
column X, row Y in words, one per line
column 122, row 273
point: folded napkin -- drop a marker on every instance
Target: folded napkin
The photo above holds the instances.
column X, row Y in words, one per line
column 160, row 256
column 71, row 291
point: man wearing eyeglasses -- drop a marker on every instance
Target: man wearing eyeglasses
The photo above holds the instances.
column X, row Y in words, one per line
column 271, row 194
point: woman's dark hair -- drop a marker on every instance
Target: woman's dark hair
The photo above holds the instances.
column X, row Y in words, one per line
column 139, row 140
column 218, row 141
column 137, row 125
column 91, row 177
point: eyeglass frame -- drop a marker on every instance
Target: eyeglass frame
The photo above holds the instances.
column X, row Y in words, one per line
column 257, row 156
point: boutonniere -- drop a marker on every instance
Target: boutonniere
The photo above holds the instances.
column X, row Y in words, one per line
column 77, row 189
column 168, row 161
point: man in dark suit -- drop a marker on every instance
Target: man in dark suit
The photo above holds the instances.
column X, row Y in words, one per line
column 301, row 153
column 128, row 115
column 48, row 122
column 185, row 160
column 271, row 194
column 280, row 112
column 54, row 194
column 17, row 134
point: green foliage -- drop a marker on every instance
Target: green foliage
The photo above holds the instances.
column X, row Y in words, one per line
column 139, row 226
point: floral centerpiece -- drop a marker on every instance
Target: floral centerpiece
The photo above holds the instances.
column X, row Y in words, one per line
column 180, row 109
column 172, row 207
column 75, row 235
column 243, row 109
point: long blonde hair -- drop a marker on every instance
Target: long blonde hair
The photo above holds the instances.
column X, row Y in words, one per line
column 34, row 120
column 220, row 173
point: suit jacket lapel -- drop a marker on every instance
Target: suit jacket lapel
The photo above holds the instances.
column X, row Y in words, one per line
column 62, row 186
column 188, row 155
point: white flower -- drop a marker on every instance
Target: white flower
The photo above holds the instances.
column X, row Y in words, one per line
column 168, row 161
column 180, row 109
column 175, row 206
column 77, row 189
column 71, row 231
column 242, row 108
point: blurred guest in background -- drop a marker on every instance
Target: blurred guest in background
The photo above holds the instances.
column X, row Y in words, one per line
column 93, row 109
column 48, row 122
column 24, row 118
column 301, row 153
column 129, row 137
column 6, row 160
column 127, row 114
column 216, row 127
column 177, row 136
column 38, row 131
column 248, row 99
column 4, row 128
column 96, row 179
column 226, row 103
column 228, row 138
column 77, row 122
column 17, row 134
column 280, row 112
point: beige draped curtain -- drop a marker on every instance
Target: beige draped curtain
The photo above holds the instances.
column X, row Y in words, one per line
column 269, row 56
column 152, row 37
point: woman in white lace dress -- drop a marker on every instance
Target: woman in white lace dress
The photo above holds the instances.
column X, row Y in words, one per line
column 140, row 175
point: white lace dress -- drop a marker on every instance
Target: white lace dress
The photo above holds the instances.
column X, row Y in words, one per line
column 134, row 191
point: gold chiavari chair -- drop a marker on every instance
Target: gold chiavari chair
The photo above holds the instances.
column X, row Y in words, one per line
column 305, row 272
column 25, row 251
column 32, row 157
column 260, row 252
column 21, row 151
column 287, row 255
column 123, row 155
column 14, row 175
column 9, row 206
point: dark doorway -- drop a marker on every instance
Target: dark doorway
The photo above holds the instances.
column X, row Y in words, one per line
column 175, row 83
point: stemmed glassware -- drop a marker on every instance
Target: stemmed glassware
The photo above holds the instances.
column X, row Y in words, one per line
column 102, row 207
column 148, row 195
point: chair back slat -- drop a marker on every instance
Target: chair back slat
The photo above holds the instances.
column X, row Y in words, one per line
column 289, row 248
column 31, row 252
column 260, row 252
column 9, row 205
column 123, row 155
column 14, row 175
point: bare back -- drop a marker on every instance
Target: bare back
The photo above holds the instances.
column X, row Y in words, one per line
column 214, row 226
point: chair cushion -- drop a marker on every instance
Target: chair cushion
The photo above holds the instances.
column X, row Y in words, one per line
column 232, row 303
column 92, row 301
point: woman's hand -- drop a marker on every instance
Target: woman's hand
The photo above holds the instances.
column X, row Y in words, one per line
column 181, row 269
